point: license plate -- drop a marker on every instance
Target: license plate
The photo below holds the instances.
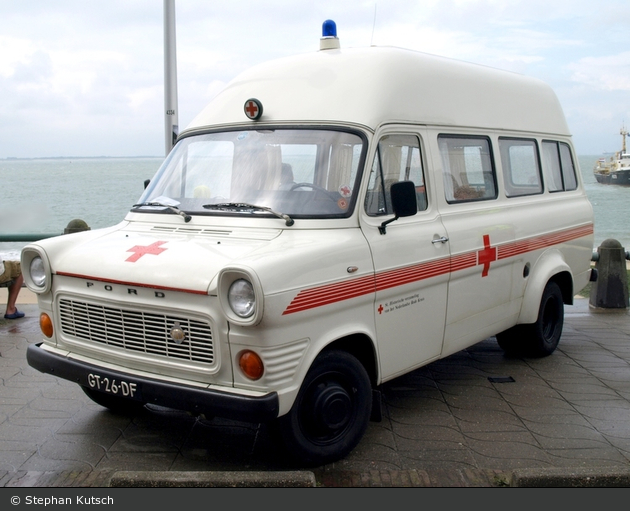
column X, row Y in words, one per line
column 114, row 386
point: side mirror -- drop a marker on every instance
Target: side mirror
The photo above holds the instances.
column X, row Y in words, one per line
column 404, row 202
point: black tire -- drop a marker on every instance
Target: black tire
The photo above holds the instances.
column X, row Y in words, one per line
column 118, row 405
column 541, row 338
column 512, row 340
column 547, row 330
column 331, row 412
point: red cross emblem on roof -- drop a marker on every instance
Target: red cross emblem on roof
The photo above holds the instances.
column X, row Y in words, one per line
column 253, row 109
column 487, row 255
column 139, row 251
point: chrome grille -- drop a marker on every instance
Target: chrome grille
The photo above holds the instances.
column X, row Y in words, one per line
column 133, row 330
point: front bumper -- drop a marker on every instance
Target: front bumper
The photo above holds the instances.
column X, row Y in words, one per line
column 182, row 397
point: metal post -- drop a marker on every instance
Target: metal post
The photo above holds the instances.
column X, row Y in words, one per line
column 171, row 128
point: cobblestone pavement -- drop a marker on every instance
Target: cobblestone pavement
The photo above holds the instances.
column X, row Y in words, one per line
column 474, row 419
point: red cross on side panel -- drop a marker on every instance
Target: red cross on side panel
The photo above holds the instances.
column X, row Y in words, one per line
column 139, row 251
column 487, row 255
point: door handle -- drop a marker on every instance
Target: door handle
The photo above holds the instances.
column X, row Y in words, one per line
column 443, row 239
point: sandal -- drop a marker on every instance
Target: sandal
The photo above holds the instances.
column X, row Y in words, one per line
column 16, row 315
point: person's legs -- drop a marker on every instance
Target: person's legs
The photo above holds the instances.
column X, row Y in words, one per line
column 14, row 291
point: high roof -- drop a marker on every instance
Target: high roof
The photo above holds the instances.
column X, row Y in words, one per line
column 376, row 85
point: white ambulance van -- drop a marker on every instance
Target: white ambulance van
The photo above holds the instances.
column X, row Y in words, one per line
column 329, row 222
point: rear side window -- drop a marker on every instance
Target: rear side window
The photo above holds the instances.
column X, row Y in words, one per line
column 468, row 170
column 558, row 166
column 398, row 158
column 521, row 167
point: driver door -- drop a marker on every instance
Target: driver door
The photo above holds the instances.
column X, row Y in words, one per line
column 411, row 264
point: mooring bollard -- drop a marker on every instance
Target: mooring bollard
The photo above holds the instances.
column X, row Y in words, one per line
column 610, row 291
column 76, row 225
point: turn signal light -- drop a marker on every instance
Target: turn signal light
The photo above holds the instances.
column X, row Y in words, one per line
column 251, row 364
column 46, row 324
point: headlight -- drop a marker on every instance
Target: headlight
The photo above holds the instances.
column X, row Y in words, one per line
column 242, row 298
column 38, row 272
column 36, row 269
column 241, row 295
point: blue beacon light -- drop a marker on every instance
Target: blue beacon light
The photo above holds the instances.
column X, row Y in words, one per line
column 329, row 40
column 329, row 29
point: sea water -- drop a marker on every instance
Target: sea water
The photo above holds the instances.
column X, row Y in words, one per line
column 42, row 196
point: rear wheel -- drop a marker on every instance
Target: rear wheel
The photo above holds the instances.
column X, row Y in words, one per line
column 119, row 405
column 512, row 340
column 331, row 412
column 547, row 330
column 540, row 338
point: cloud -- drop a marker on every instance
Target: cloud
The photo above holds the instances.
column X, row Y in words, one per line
column 609, row 73
column 86, row 78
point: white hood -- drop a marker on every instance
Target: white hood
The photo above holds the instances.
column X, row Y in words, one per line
column 152, row 257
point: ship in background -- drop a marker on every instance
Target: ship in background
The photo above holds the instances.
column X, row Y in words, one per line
column 616, row 170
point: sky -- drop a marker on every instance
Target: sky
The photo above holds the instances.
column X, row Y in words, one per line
column 85, row 78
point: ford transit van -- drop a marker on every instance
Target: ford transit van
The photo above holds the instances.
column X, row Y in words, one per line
column 330, row 221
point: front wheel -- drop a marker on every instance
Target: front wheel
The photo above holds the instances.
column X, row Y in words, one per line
column 331, row 412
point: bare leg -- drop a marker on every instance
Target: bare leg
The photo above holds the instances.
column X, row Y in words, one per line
column 14, row 291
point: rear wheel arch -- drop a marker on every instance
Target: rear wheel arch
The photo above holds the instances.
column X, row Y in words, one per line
column 550, row 267
column 565, row 281
column 540, row 338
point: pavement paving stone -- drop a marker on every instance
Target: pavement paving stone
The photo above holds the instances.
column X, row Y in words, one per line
column 447, row 424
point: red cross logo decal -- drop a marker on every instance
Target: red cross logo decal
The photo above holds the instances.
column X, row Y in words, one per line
column 139, row 250
column 487, row 255
column 253, row 109
column 380, row 309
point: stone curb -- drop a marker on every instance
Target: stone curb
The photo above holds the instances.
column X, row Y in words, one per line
column 214, row 479
column 570, row 478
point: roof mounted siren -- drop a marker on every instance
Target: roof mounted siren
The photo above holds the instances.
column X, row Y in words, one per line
column 329, row 40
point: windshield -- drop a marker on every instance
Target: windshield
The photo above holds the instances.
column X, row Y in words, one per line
column 300, row 173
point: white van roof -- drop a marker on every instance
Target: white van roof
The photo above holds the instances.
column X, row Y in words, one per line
column 377, row 85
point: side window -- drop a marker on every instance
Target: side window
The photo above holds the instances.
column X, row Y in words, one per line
column 521, row 167
column 468, row 170
column 398, row 158
column 558, row 166
column 568, row 168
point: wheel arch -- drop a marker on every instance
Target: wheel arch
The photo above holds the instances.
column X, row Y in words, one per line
column 362, row 348
column 550, row 267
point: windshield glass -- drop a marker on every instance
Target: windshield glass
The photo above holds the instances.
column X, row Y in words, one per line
column 302, row 173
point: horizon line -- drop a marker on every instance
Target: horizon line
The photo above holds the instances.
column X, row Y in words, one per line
column 12, row 158
column 72, row 157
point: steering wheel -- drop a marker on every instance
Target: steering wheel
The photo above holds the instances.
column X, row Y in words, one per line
column 314, row 187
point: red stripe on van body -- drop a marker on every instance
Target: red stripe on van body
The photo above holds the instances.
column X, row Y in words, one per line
column 330, row 293
column 339, row 291
column 548, row 240
column 400, row 276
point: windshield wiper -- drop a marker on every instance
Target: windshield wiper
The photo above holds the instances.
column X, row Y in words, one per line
column 244, row 206
column 174, row 209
